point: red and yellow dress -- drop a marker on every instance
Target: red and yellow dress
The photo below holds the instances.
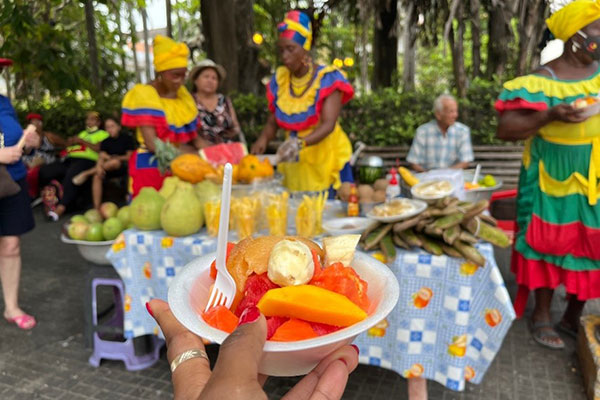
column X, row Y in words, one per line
column 558, row 214
column 298, row 111
column 175, row 120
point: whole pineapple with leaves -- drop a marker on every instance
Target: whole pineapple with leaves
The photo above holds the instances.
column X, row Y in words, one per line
column 164, row 153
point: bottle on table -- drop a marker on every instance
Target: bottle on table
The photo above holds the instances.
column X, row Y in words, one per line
column 353, row 207
column 393, row 189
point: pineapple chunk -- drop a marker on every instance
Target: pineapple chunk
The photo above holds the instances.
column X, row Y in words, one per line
column 340, row 249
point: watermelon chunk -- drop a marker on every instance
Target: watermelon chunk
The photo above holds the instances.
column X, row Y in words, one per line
column 256, row 286
column 213, row 266
column 324, row 329
column 224, row 153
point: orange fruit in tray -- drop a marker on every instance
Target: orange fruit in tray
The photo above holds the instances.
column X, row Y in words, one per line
column 584, row 102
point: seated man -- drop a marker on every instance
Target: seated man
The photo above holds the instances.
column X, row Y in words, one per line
column 443, row 142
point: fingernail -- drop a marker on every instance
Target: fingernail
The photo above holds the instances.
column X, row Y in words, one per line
column 355, row 347
column 249, row 315
column 149, row 309
column 344, row 361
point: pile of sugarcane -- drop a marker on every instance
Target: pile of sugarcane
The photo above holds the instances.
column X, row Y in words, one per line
column 448, row 226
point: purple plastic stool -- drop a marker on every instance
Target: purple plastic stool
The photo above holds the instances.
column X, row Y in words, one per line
column 118, row 350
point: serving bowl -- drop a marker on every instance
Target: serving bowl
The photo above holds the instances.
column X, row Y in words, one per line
column 94, row 252
column 440, row 195
column 347, row 225
column 189, row 291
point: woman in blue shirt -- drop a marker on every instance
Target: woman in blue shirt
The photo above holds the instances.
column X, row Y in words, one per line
column 15, row 212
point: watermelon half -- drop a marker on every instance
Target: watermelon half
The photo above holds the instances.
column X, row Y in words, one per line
column 224, row 153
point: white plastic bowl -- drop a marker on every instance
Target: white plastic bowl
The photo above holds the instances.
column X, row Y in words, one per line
column 188, row 294
column 440, row 195
column 346, row 226
column 94, row 252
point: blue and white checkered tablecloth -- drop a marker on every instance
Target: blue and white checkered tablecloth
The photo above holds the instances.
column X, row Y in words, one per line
column 147, row 262
column 457, row 332
column 449, row 323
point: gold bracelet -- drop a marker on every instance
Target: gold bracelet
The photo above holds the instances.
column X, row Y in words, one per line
column 188, row 355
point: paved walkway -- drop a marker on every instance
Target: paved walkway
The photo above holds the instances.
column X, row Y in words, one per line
column 50, row 362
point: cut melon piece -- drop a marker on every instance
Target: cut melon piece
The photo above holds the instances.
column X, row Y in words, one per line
column 224, row 153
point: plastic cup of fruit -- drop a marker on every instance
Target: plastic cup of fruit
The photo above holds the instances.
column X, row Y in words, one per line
column 188, row 294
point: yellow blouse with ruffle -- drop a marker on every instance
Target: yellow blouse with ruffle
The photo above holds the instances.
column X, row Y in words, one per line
column 175, row 120
column 298, row 109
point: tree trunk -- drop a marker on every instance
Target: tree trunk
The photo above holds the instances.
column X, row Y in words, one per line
column 169, row 25
column 364, row 42
column 219, row 29
column 247, row 51
column 146, row 46
column 385, row 49
column 92, row 47
column 132, row 32
column 458, row 55
column 531, row 23
column 410, row 39
column 121, row 38
column 476, row 38
column 499, row 39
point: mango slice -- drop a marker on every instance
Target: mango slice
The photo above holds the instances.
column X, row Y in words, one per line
column 311, row 303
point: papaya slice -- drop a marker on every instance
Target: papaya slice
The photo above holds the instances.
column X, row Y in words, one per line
column 311, row 303
column 222, row 318
column 293, row 330
column 345, row 281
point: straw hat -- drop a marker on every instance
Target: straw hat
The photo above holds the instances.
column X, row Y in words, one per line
column 208, row 64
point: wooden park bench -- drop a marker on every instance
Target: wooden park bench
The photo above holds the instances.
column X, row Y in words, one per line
column 504, row 162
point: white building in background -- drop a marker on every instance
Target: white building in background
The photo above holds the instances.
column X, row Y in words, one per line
column 140, row 53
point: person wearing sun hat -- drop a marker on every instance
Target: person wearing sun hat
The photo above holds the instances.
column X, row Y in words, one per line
column 162, row 109
column 16, row 217
column 558, row 215
column 305, row 99
column 218, row 121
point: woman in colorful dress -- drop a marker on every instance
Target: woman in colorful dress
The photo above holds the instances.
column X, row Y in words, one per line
column 557, row 206
column 218, row 122
column 305, row 100
column 162, row 109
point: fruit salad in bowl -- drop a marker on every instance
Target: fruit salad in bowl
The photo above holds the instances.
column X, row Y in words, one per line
column 315, row 299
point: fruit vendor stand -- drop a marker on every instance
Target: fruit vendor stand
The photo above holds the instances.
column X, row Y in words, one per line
column 449, row 323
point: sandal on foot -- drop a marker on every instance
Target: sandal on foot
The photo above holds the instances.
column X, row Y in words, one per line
column 543, row 333
column 566, row 329
column 24, row 321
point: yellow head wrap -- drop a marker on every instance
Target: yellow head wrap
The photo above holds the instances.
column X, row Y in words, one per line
column 168, row 54
column 568, row 20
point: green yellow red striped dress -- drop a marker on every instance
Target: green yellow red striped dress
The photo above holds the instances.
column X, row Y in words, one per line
column 558, row 216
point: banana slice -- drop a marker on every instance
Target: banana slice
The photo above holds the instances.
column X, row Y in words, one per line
column 340, row 249
column 290, row 263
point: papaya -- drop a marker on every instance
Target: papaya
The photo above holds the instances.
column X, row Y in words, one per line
column 190, row 168
column 293, row 330
column 312, row 304
column 222, row 318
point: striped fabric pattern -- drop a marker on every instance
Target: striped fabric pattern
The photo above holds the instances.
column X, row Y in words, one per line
column 558, row 215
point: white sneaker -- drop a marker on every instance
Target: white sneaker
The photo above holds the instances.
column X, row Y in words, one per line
column 52, row 216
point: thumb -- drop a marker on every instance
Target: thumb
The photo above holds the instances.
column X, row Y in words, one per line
column 241, row 352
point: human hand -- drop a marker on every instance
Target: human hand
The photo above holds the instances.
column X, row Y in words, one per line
column 235, row 375
column 289, row 150
column 566, row 113
column 260, row 146
column 32, row 139
column 10, row 155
